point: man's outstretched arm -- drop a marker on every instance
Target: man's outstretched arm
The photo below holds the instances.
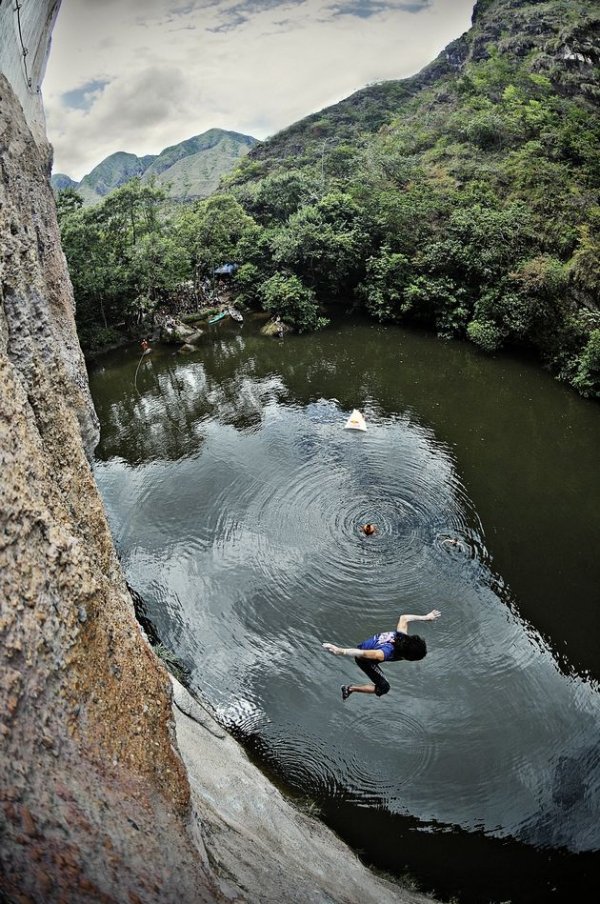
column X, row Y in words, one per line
column 405, row 619
column 377, row 655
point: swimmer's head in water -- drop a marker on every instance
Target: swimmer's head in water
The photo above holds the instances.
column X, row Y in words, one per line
column 368, row 528
column 411, row 647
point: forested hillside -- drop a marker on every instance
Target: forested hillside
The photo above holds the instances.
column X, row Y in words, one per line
column 464, row 199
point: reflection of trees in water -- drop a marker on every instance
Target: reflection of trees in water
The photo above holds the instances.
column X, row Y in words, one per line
column 178, row 398
column 233, row 380
column 157, row 424
column 570, row 817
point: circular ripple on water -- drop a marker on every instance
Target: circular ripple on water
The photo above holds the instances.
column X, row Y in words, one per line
column 242, row 715
column 369, row 771
column 310, row 515
column 305, row 761
column 314, row 766
column 403, row 759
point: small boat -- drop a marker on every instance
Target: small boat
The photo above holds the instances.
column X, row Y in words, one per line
column 355, row 422
column 235, row 315
column 218, row 317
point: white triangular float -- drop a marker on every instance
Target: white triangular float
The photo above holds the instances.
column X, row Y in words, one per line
column 355, row 422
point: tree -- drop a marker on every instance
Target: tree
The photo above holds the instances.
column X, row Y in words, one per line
column 584, row 265
column 382, row 290
column 540, row 304
column 212, row 229
column 295, row 303
column 324, row 244
column 68, row 201
column 485, row 334
column 280, row 195
column 131, row 212
column 587, row 378
column 122, row 257
column 438, row 300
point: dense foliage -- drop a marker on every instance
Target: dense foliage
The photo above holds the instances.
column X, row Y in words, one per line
column 473, row 210
column 122, row 256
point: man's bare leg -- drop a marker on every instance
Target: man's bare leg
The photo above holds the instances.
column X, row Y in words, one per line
column 348, row 689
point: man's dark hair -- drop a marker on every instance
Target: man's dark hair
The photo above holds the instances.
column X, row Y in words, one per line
column 411, row 647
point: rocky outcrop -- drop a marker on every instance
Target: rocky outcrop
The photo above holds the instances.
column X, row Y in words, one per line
column 257, row 840
column 95, row 802
column 95, row 797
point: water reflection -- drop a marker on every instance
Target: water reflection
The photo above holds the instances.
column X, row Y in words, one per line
column 237, row 506
column 179, row 398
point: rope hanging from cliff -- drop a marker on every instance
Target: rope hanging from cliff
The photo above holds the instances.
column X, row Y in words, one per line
column 24, row 50
column 146, row 351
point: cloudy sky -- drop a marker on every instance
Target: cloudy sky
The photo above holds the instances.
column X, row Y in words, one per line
column 139, row 75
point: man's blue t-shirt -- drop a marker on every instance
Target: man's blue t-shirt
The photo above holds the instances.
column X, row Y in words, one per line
column 383, row 642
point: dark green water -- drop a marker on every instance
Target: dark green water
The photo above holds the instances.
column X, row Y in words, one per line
column 235, row 497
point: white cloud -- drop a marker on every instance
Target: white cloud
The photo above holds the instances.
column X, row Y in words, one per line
column 170, row 69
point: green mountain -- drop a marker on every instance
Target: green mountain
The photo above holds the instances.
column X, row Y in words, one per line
column 114, row 171
column 193, row 168
column 558, row 38
column 190, row 169
column 60, row 181
column 465, row 198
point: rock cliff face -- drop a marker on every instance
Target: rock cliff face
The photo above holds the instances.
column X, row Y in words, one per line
column 94, row 795
column 25, row 30
column 95, row 799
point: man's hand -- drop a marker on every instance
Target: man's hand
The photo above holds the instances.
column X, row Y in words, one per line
column 405, row 620
column 331, row 648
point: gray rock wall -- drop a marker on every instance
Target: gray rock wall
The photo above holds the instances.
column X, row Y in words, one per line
column 262, row 843
column 94, row 798
column 25, row 30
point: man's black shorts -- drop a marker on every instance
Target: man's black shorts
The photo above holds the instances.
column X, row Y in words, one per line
column 372, row 670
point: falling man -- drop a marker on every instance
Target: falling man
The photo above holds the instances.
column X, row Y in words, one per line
column 390, row 646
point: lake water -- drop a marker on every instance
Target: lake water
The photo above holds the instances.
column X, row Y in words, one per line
column 235, row 498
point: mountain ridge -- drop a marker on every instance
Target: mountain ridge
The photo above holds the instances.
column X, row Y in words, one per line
column 516, row 27
column 189, row 169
